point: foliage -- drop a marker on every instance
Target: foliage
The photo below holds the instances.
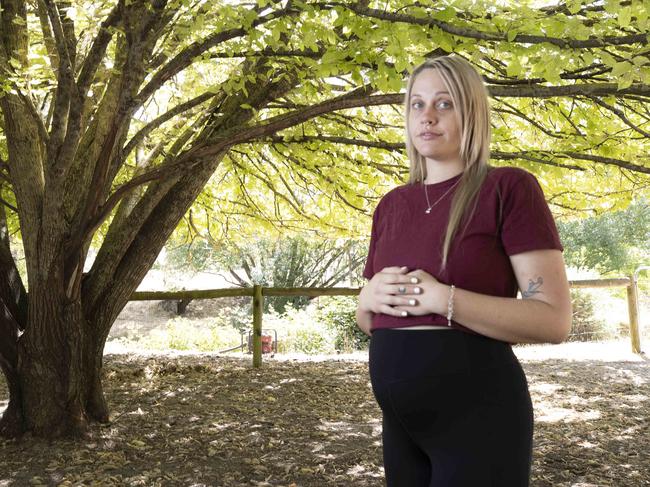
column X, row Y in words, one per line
column 585, row 327
column 282, row 262
column 339, row 315
column 184, row 334
column 614, row 242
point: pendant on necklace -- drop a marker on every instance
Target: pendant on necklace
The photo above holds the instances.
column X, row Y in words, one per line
column 428, row 210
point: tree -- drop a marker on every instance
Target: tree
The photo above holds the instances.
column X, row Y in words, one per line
column 614, row 242
column 273, row 262
column 111, row 129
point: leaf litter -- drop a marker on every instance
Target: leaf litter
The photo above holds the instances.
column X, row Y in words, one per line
column 213, row 420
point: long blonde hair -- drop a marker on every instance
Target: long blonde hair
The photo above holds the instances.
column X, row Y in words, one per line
column 470, row 99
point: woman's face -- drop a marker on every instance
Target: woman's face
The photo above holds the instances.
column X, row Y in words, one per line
column 433, row 125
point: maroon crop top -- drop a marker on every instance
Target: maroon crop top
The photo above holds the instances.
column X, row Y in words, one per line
column 511, row 217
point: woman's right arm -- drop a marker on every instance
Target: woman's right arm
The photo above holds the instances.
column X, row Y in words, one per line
column 380, row 295
column 364, row 320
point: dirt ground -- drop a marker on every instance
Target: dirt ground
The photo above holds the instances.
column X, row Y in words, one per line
column 208, row 420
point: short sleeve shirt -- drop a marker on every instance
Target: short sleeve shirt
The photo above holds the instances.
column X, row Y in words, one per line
column 511, row 216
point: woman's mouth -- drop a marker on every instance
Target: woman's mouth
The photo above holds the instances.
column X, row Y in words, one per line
column 429, row 135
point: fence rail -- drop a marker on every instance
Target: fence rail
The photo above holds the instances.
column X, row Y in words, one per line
column 258, row 293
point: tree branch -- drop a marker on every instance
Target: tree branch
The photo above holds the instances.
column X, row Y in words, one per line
column 9, row 205
column 281, row 122
column 533, row 156
column 147, row 129
column 98, row 49
column 65, row 86
column 607, row 160
column 621, row 115
column 187, row 55
column 485, row 36
column 278, row 139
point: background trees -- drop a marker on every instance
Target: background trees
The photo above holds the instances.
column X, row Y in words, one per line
column 120, row 116
column 615, row 242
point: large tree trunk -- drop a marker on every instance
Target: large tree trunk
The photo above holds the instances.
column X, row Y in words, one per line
column 58, row 389
column 52, row 360
column 11, row 423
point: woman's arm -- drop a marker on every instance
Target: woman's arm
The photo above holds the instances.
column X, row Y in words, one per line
column 364, row 320
column 542, row 315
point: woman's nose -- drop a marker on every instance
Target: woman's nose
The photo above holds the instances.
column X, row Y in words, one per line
column 429, row 119
column 429, row 116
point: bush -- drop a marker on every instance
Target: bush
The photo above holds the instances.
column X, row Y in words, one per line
column 309, row 339
column 338, row 313
column 184, row 334
column 299, row 331
column 585, row 327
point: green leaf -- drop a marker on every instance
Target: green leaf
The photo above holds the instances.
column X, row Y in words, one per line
column 511, row 35
column 514, row 68
column 445, row 15
column 621, row 68
column 625, row 81
column 574, row 6
column 624, row 17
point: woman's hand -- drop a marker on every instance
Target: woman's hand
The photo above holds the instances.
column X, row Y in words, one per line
column 389, row 289
column 432, row 297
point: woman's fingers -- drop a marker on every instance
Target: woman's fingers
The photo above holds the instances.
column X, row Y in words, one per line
column 395, row 270
column 396, row 301
column 389, row 310
column 403, row 289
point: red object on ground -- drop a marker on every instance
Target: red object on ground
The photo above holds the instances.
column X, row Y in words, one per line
column 267, row 344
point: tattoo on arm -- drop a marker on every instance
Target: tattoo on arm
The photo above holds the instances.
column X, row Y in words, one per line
column 533, row 288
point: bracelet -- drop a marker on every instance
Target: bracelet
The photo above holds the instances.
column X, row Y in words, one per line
column 450, row 305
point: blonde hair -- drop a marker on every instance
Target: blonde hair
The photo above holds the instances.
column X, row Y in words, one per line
column 470, row 100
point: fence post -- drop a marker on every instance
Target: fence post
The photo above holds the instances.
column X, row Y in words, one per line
column 633, row 310
column 258, row 308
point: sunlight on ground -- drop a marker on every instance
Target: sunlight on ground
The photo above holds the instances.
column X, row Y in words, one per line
column 605, row 351
column 552, row 414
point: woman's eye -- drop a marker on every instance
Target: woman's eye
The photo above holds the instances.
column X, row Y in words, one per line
column 443, row 105
column 417, row 104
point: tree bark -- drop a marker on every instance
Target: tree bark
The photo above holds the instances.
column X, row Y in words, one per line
column 50, row 362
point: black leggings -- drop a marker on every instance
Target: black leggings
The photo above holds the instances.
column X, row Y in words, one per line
column 456, row 409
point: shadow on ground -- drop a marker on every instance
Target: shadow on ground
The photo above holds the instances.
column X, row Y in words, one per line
column 214, row 421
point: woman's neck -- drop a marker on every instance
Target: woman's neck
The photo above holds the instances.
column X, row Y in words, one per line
column 437, row 172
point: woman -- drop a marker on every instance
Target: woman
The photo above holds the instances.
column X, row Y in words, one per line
column 448, row 252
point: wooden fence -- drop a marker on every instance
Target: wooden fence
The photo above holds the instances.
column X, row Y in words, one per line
column 258, row 293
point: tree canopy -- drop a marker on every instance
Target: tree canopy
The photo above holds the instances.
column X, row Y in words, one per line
column 569, row 85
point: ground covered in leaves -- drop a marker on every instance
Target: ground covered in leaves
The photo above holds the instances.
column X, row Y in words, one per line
column 210, row 420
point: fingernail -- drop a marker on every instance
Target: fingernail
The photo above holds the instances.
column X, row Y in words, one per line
column 414, row 280
column 412, row 302
column 405, row 313
column 417, row 290
column 404, row 267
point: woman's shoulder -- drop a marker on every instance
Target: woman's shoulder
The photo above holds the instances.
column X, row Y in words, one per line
column 508, row 173
column 510, row 177
column 395, row 194
column 395, row 200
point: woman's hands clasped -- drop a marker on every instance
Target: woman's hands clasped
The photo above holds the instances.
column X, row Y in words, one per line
column 396, row 292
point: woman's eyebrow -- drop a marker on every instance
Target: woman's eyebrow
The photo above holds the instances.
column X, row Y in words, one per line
column 413, row 95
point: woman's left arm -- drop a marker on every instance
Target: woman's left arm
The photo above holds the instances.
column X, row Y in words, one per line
column 543, row 315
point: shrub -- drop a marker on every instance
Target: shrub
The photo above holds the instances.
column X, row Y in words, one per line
column 585, row 327
column 310, row 339
column 184, row 334
column 338, row 313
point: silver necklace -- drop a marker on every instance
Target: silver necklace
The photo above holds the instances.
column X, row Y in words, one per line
column 426, row 193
